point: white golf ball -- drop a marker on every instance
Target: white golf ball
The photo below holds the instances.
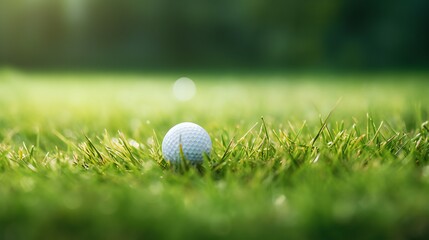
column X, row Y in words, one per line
column 191, row 138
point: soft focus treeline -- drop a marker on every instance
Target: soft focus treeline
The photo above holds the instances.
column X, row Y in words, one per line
column 144, row 34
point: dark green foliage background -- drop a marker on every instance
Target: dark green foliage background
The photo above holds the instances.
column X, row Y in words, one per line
column 165, row 34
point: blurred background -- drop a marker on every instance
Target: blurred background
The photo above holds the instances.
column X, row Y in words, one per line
column 222, row 34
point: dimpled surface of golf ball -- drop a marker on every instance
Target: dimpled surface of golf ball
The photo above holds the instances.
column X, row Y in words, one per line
column 193, row 139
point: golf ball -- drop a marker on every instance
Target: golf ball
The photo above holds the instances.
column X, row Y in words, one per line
column 189, row 138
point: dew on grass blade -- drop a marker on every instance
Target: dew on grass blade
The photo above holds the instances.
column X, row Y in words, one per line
column 184, row 89
column 133, row 143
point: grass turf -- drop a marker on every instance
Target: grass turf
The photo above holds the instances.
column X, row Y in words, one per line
column 333, row 156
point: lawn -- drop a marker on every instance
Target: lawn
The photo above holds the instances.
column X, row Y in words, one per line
column 295, row 155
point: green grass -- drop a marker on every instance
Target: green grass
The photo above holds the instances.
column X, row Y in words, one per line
column 333, row 157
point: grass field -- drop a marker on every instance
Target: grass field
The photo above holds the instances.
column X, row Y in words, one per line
column 302, row 156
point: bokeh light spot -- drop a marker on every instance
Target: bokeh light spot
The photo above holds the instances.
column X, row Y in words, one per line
column 184, row 89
